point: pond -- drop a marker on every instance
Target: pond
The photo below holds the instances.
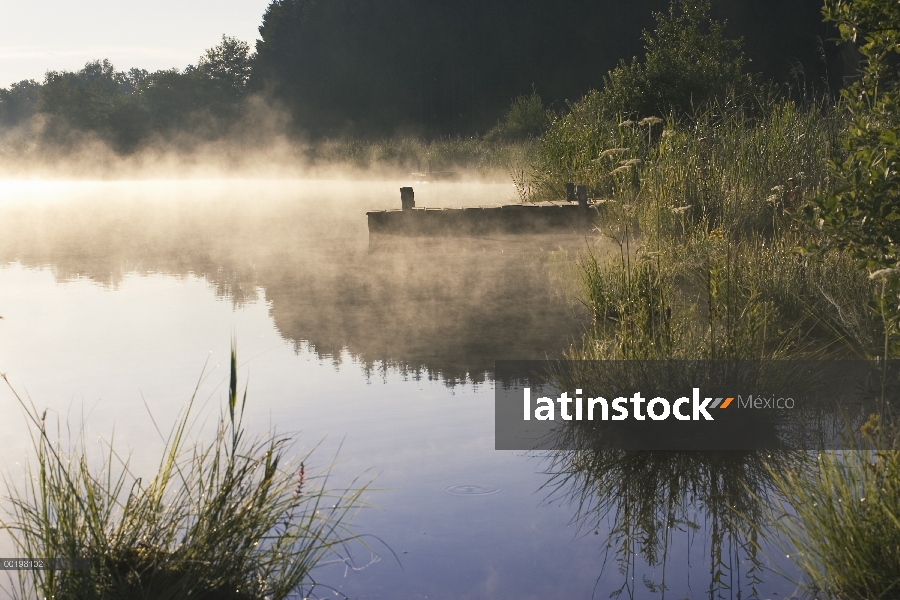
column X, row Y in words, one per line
column 117, row 297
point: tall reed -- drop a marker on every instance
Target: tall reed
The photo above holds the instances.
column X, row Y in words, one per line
column 705, row 219
column 471, row 156
column 840, row 520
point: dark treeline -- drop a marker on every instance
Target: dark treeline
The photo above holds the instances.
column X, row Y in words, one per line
column 362, row 69
column 127, row 108
column 452, row 68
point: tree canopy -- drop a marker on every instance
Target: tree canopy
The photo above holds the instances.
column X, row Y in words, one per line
column 689, row 62
column 127, row 107
column 437, row 67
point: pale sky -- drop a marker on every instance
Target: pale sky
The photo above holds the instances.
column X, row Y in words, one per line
column 37, row 36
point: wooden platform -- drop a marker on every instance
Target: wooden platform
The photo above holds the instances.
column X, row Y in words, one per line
column 479, row 220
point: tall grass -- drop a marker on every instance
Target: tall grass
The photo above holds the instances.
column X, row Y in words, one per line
column 705, row 216
column 840, row 521
column 472, row 156
column 235, row 518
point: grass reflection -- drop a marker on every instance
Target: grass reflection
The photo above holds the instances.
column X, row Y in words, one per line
column 645, row 499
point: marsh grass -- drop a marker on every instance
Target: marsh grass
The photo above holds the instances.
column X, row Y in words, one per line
column 704, row 216
column 234, row 518
column 714, row 298
column 468, row 157
column 840, row 519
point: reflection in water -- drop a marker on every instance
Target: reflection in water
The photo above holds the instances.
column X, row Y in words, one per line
column 644, row 500
column 428, row 307
column 650, row 503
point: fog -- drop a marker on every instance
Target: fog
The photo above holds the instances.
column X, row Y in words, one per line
column 440, row 307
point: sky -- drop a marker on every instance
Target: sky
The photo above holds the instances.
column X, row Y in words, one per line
column 37, row 36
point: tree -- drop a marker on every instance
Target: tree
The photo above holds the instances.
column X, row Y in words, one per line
column 526, row 118
column 125, row 108
column 228, row 65
column 862, row 215
column 689, row 62
column 18, row 102
column 79, row 101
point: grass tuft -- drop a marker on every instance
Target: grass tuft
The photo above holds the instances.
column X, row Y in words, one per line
column 231, row 519
column 840, row 520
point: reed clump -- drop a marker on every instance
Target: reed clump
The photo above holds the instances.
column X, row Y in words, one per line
column 743, row 229
column 840, row 520
column 232, row 519
column 706, row 218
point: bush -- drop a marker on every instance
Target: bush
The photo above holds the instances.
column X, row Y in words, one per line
column 689, row 63
column 526, row 118
column 840, row 524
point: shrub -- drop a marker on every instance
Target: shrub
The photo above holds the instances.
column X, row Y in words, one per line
column 689, row 63
column 526, row 118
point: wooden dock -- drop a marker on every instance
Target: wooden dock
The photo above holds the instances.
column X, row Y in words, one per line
column 536, row 217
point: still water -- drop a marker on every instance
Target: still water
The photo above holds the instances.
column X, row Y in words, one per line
column 117, row 297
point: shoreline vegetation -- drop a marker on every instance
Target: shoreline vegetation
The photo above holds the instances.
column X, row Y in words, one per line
column 746, row 226
column 234, row 518
column 470, row 159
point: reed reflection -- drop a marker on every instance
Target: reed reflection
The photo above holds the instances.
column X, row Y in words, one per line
column 650, row 504
column 660, row 509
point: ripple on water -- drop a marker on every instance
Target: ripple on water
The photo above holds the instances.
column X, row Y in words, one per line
column 472, row 490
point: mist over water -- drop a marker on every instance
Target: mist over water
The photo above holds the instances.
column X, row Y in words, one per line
column 447, row 306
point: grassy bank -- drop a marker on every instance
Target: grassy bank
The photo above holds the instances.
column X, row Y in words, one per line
column 709, row 219
column 718, row 217
column 710, row 234
column 706, row 215
column 840, row 519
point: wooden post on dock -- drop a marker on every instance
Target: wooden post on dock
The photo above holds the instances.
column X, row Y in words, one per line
column 570, row 191
column 581, row 192
column 407, row 198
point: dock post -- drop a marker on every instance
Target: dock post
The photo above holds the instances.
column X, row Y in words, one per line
column 581, row 192
column 570, row 191
column 407, row 198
